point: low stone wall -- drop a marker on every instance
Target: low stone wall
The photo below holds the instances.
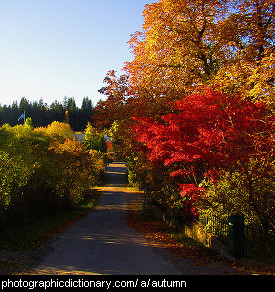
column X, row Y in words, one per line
column 196, row 232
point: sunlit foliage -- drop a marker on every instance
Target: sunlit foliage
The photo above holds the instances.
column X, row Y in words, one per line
column 43, row 170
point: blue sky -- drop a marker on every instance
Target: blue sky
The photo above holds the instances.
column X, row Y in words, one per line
column 53, row 48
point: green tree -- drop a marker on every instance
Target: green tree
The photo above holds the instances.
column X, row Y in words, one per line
column 85, row 113
column 94, row 140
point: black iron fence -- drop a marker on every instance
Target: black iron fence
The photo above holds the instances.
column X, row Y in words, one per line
column 215, row 225
column 258, row 243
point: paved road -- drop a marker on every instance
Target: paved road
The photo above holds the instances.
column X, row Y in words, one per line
column 102, row 242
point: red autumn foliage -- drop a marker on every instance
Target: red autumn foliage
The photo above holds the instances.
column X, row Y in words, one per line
column 210, row 129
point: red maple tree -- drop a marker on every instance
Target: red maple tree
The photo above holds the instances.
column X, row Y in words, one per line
column 208, row 132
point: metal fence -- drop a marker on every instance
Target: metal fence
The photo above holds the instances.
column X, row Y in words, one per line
column 215, row 225
column 259, row 244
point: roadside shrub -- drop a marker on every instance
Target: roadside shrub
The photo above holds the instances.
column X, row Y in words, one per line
column 230, row 195
column 43, row 171
column 225, row 140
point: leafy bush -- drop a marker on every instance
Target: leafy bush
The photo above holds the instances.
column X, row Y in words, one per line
column 222, row 139
column 230, row 194
column 43, row 171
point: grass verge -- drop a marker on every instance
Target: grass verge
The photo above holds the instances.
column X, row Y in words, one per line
column 21, row 244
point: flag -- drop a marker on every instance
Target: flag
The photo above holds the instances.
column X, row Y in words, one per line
column 21, row 117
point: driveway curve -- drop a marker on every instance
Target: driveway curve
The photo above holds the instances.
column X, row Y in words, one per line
column 102, row 242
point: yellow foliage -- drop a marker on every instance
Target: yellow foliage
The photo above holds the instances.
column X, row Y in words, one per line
column 189, row 43
column 58, row 130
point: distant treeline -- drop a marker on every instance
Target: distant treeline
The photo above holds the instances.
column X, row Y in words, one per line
column 43, row 114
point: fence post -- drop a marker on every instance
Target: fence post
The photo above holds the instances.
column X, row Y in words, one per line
column 236, row 236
